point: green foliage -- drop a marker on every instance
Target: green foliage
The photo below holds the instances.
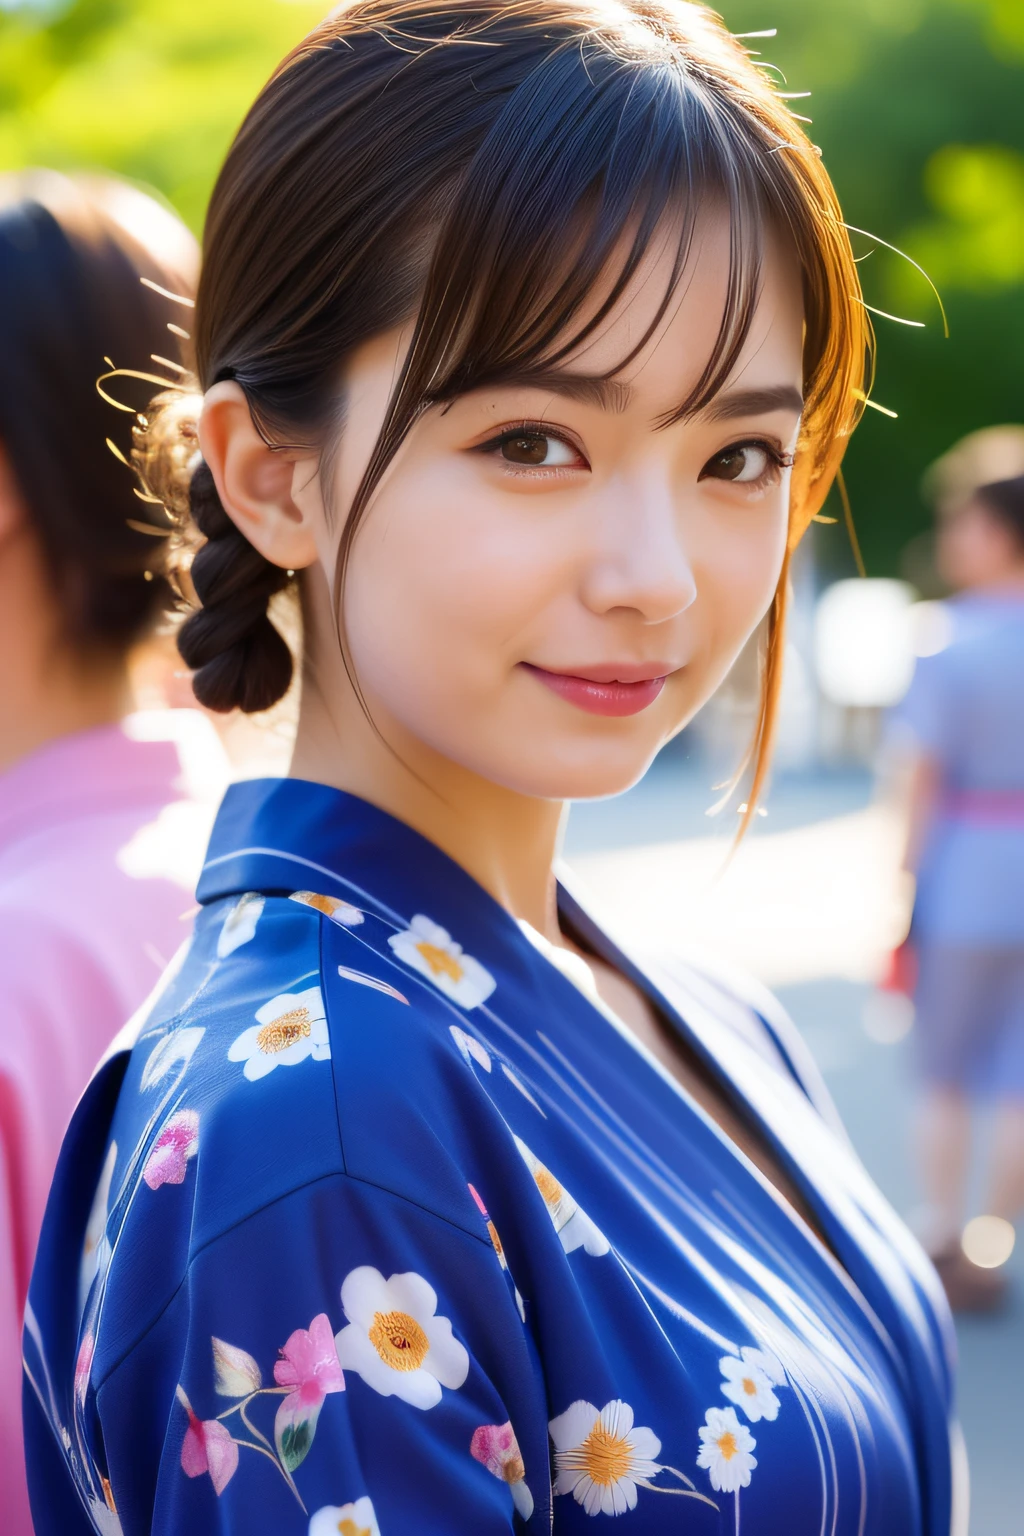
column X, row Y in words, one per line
column 150, row 90
column 916, row 105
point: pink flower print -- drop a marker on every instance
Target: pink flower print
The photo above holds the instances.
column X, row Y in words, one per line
column 83, row 1367
column 207, row 1447
column 309, row 1364
column 177, row 1142
column 496, row 1446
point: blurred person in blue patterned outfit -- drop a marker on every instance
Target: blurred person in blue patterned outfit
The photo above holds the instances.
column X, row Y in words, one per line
column 963, row 719
column 414, row 1202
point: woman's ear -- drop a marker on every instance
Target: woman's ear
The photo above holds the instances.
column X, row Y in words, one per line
column 254, row 482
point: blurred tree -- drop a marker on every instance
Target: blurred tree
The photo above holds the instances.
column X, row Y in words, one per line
column 150, row 90
column 916, row 105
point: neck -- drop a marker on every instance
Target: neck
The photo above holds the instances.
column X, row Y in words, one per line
column 47, row 690
column 505, row 840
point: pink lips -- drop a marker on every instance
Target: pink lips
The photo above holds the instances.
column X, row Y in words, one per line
column 613, row 690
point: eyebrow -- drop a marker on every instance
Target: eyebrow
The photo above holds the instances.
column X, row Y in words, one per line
column 615, row 396
column 754, row 402
column 588, row 388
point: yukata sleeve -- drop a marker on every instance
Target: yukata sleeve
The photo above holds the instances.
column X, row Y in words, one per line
column 341, row 1361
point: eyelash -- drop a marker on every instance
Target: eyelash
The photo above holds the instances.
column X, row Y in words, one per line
column 777, row 459
column 530, row 429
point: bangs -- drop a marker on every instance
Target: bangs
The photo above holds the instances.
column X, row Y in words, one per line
column 593, row 159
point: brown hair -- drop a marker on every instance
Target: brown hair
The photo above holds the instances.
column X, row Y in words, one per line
column 72, row 258
column 1004, row 500
column 483, row 166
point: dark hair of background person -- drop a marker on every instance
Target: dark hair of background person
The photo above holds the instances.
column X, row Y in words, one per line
column 497, row 170
column 1004, row 499
column 72, row 256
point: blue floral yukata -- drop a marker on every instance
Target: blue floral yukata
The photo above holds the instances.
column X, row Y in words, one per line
column 378, row 1224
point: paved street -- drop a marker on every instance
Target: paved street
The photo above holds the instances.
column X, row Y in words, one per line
column 806, row 904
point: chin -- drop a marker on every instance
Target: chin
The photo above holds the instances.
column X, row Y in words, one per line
column 597, row 775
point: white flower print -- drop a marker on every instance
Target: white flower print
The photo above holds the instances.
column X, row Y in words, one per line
column 725, row 1450
column 574, row 1227
column 470, row 1047
column 240, row 924
column 394, row 1339
column 289, row 1028
column 341, row 912
column 356, row 1519
column 600, row 1457
column 767, row 1363
column 179, row 1045
column 748, row 1387
column 104, row 1519
column 431, row 950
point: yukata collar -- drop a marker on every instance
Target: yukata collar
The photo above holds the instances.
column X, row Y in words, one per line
column 276, row 836
column 283, row 835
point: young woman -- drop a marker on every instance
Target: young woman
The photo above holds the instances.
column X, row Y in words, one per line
column 529, row 342
column 89, row 915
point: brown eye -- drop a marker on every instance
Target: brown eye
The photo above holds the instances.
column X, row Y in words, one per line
column 743, row 464
column 526, row 448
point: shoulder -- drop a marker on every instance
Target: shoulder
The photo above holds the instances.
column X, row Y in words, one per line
column 292, row 1046
column 282, row 1071
column 233, row 1056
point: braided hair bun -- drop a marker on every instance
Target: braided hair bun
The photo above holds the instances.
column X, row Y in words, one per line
column 238, row 658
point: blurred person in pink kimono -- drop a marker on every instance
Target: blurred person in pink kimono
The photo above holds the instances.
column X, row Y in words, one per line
column 98, row 812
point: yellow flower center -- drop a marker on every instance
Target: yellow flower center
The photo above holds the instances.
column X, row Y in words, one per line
column 282, row 1032
column 399, row 1340
column 727, row 1445
column 749, row 1386
column 440, row 962
column 513, row 1471
column 348, row 1527
column 492, row 1233
column 548, row 1185
column 108, row 1495
column 605, row 1457
column 327, row 905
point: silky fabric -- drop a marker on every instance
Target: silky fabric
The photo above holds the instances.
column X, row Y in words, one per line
column 383, row 1223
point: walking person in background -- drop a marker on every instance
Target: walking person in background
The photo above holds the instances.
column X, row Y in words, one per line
column 89, row 906
column 964, row 719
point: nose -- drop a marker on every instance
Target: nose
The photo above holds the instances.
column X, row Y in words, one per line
column 639, row 560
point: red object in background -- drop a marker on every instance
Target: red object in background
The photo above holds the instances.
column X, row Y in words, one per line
column 901, row 970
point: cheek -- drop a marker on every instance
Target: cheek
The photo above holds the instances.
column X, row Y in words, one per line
column 441, row 589
column 739, row 572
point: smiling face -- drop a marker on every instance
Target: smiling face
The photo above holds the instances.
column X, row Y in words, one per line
column 550, row 581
